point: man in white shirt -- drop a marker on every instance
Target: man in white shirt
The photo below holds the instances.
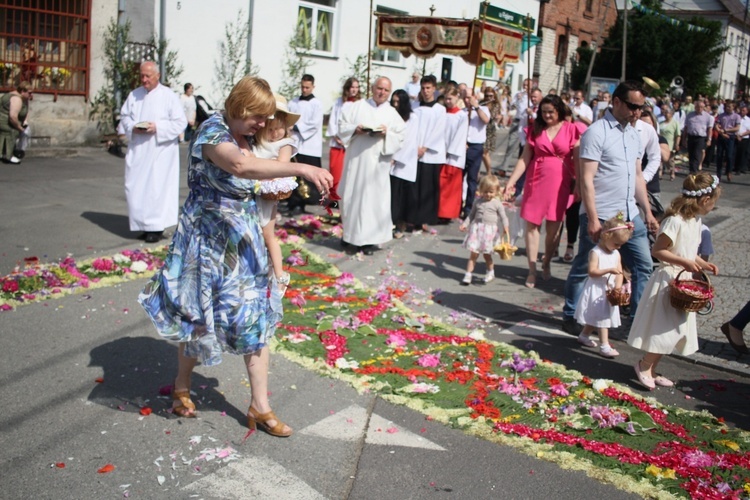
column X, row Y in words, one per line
column 479, row 117
column 309, row 134
column 743, row 144
column 603, row 104
column 190, row 107
column 413, row 87
column 581, row 111
column 527, row 117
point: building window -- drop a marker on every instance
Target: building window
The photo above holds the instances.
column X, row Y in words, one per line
column 487, row 70
column 562, row 50
column 386, row 55
column 45, row 42
column 589, row 6
column 315, row 25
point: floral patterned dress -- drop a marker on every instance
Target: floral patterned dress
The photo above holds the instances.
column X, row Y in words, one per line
column 213, row 292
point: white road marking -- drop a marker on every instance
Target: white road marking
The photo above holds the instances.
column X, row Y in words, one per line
column 349, row 425
column 254, row 477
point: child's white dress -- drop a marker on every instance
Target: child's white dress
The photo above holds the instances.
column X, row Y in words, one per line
column 658, row 327
column 270, row 151
column 593, row 308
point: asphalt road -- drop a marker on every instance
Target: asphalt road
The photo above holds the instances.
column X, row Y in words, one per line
column 54, row 411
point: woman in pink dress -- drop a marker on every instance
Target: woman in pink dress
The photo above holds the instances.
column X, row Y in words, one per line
column 548, row 160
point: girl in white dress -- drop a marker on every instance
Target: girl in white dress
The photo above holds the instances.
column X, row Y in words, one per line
column 594, row 311
column 658, row 328
column 273, row 142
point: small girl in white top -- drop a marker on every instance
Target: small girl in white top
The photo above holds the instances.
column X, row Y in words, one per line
column 272, row 142
column 482, row 223
column 658, row 328
column 605, row 271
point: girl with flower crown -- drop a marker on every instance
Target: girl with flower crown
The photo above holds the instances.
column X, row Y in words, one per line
column 658, row 328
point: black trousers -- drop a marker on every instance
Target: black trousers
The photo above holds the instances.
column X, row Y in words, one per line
column 741, row 156
column 696, row 145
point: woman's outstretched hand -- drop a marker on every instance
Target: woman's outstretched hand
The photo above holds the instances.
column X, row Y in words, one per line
column 321, row 178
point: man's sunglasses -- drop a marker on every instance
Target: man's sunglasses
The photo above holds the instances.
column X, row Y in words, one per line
column 632, row 106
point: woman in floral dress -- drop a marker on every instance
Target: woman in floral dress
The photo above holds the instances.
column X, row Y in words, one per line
column 213, row 293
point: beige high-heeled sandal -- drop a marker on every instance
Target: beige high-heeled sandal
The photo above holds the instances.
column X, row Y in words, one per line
column 257, row 420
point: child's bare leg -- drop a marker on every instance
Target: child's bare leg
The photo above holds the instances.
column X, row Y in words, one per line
column 604, row 336
column 585, row 336
column 490, row 263
column 274, row 249
column 473, row 256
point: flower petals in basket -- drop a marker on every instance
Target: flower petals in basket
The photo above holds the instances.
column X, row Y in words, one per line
column 619, row 296
column 277, row 189
column 505, row 249
column 690, row 295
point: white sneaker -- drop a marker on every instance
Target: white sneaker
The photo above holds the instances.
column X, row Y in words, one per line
column 14, row 160
column 467, row 279
column 489, row 276
column 586, row 340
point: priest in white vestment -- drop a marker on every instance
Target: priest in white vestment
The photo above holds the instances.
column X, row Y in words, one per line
column 372, row 131
column 153, row 119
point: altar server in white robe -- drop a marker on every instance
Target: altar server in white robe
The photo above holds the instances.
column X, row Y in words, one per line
column 404, row 162
column 372, row 131
column 452, row 171
column 423, row 202
column 152, row 118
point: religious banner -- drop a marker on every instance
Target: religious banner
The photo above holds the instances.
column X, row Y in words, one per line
column 498, row 44
column 424, row 36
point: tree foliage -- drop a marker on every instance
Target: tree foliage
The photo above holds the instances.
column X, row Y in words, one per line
column 120, row 77
column 121, row 73
column 232, row 62
column 580, row 67
column 661, row 51
column 296, row 63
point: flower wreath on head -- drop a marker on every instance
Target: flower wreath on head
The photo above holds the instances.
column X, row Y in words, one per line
column 622, row 225
column 702, row 192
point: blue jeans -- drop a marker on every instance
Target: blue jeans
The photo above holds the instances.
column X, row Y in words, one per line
column 471, row 172
column 635, row 254
column 725, row 153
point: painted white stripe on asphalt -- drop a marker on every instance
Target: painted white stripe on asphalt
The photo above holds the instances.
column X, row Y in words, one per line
column 533, row 328
column 349, row 425
column 254, row 477
column 346, row 425
column 384, row 432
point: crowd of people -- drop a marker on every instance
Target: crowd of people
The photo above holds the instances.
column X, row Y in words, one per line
column 404, row 160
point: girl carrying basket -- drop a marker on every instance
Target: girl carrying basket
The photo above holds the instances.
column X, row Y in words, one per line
column 658, row 327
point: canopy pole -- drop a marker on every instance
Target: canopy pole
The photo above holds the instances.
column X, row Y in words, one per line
column 369, row 55
column 424, row 61
column 528, row 47
column 485, row 4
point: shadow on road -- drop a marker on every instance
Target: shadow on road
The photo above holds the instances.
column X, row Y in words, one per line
column 129, row 384
column 114, row 223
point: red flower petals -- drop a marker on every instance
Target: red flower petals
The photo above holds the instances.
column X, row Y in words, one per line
column 107, row 468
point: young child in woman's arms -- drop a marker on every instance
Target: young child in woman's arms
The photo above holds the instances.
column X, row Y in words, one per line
column 273, row 142
column 658, row 327
column 482, row 224
column 605, row 271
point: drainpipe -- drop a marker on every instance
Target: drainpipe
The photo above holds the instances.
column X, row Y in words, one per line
column 250, row 13
column 120, row 22
column 162, row 33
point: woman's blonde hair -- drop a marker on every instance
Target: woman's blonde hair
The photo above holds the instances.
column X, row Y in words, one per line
column 694, row 187
column 250, row 96
column 488, row 183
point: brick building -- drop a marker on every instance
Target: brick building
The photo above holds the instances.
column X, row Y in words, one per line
column 566, row 25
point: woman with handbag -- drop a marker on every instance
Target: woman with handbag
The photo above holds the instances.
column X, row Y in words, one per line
column 548, row 160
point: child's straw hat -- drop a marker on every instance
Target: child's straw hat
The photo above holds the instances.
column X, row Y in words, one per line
column 281, row 105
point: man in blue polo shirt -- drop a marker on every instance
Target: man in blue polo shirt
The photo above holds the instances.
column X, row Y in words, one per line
column 611, row 181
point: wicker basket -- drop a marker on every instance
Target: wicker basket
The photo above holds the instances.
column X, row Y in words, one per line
column 276, row 196
column 618, row 296
column 504, row 249
column 690, row 295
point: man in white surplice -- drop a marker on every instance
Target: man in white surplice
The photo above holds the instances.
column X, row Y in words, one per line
column 371, row 131
column 153, row 119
